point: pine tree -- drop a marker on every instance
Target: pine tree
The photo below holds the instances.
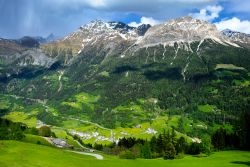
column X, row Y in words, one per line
column 173, row 138
column 153, row 144
column 181, row 145
column 245, row 126
column 170, row 152
column 218, row 139
column 146, row 151
column 159, row 142
column 166, row 140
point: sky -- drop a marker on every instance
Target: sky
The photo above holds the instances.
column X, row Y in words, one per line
column 42, row 17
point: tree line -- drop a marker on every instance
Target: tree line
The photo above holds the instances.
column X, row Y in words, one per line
column 238, row 139
column 166, row 145
column 16, row 131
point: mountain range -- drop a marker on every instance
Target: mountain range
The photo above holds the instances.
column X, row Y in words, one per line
column 120, row 76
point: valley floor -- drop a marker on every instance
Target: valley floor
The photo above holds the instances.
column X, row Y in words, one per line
column 19, row 154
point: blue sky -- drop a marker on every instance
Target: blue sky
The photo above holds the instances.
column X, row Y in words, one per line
column 42, row 17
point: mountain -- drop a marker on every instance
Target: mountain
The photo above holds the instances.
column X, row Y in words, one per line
column 21, row 57
column 185, row 30
column 49, row 38
column 95, row 33
column 183, row 73
column 28, row 42
column 237, row 37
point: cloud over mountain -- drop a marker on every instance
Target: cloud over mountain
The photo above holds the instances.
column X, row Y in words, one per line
column 33, row 17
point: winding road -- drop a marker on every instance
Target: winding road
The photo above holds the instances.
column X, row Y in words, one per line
column 97, row 156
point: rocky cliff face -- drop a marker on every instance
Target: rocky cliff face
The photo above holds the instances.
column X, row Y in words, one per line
column 18, row 55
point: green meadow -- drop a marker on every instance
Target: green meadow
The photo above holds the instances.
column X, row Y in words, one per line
column 19, row 154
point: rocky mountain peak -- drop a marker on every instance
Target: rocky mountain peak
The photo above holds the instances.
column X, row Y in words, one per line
column 96, row 26
column 142, row 29
column 99, row 32
column 185, row 30
column 190, row 24
column 113, row 35
column 231, row 33
column 120, row 26
column 237, row 37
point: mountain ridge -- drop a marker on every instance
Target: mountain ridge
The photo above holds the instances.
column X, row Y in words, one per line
column 117, row 40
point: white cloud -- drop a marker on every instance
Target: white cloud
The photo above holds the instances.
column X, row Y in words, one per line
column 51, row 14
column 212, row 12
column 145, row 20
column 156, row 8
column 234, row 24
column 97, row 3
column 208, row 14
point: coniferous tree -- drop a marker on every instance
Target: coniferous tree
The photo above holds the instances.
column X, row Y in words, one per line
column 245, row 130
column 170, row 151
column 153, row 144
column 173, row 138
column 181, row 145
column 146, row 151
column 160, row 147
column 218, row 139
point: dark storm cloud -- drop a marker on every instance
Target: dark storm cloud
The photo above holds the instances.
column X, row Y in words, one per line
column 33, row 17
column 42, row 17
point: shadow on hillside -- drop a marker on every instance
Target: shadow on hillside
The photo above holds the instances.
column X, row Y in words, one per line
column 247, row 163
column 170, row 73
column 124, row 68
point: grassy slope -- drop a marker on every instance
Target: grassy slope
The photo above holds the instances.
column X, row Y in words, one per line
column 18, row 154
column 29, row 120
column 158, row 124
column 35, row 139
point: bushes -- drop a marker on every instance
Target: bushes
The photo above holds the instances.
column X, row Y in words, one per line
column 33, row 131
column 44, row 131
column 194, row 149
column 127, row 154
column 98, row 147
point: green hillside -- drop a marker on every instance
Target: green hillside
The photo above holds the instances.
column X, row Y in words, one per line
column 195, row 92
column 13, row 153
